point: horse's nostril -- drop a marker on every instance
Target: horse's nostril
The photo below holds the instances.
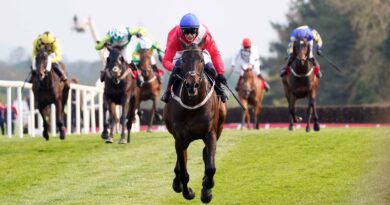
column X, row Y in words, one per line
column 196, row 85
column 188, row 85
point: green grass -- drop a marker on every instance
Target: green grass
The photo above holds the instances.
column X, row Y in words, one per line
column 334, row 166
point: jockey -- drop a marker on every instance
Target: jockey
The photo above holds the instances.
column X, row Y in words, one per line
column 310, row 34
column 147, row 43
column 191, row 31
column 48, row 42
column 248, row 55
column 121, row 36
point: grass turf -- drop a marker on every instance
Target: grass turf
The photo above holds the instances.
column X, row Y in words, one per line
column 333, row 166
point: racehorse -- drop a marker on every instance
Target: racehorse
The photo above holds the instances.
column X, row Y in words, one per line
column 194, row 112
column 251, row 92
column 48, row 88
column 118, row 87
column 150, row 89
column 301, row 83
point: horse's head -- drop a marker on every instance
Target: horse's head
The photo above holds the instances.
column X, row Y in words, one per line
column 301, row 51
column 145, row 63
column 248, row 80
column 192, row 66
column 116, row 65
column 42, row 64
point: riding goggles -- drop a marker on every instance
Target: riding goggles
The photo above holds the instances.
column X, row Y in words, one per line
column 189, row 31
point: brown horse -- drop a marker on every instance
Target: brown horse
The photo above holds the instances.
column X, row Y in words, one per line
column 48, row 88
column 302, row 83
column 194, row 112
column 150, row 89
column 251, row 92
column 118, row 87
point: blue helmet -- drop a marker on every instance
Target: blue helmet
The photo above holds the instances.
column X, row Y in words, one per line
column 189, row 21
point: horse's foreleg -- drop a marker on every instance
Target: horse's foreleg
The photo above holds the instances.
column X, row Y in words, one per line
column 45, row 132
column 181, row 152
column 256, row 112
column 60, row 118
column 104, row 134
column 111, row 121
column 176, row 184
column 152, row 113
column 125, row 110
column 291, row 108
column 209, row 162
column 308, row 113
column 245, row 114
column 316, row 122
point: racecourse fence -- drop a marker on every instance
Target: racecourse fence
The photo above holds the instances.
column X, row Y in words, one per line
column 327, row 114
column 84, row 110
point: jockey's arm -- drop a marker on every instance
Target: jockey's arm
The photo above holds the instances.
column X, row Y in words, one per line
column 57, row 51
column 34, row 50
column 317, row 38
column 101, row 44
column 290, row 45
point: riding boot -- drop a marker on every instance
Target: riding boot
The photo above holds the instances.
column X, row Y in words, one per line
column 317, row 70
column 210, row 70
column 31, row 77
column 167, row 94
column 155, row 70
column 267, row 87
column 285, row 70
column 60, row 72
column 102, row 75
column 239, row 83
column 221, row 92
column 139, row 79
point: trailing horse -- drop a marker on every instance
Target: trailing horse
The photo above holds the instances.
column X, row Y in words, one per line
column 301, row 83
column 118, row 88
column 251, row 92
column 150, row 88
column 194, row 112
column 48, row 88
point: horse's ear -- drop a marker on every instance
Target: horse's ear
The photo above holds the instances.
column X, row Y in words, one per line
column 183, row 43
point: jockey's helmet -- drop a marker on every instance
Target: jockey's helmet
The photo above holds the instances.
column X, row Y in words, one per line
column 246, row 43
column 118, row 33
column 189, row 21
column 48, row 37
column 146, row 43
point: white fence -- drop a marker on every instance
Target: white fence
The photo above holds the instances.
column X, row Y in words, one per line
column 92, row 101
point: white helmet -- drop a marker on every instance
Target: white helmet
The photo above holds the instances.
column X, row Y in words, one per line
column 145, row 43
column 118, row 33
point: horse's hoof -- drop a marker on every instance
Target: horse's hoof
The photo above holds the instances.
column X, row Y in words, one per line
column 149, row 130
column 316, row 127
column 62, row 135
column 291, row 128
column 307, row 129
column 189, row 194
column 45, row 135
column 109, row 140
column 206, row 195
column 104, row 135
column 177, row 185
column 122, row 141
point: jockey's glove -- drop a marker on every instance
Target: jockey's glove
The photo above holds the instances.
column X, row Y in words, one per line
column 319, row 52
column 221, row 78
